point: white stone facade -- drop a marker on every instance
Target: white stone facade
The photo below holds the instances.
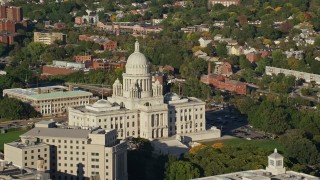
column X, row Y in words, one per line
column 137, row 107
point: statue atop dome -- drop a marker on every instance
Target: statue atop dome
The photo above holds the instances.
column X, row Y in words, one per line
column 136, row 46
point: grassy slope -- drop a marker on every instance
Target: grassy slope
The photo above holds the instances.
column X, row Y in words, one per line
column 9, row 137
column 266, row 144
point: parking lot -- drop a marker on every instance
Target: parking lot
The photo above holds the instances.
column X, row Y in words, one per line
column 232, row 123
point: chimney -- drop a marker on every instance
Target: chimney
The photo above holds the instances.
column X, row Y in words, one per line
column 209, row 68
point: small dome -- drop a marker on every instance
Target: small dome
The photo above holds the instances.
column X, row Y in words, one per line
column 171, row 96
column 102, row 103
column 116, row 82
column 137, row 58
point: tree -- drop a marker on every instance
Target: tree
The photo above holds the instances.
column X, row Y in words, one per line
column 244, row 63
column 306, row 92
column 15, row 109
column 181, row 170
column 222, row 50
column 194, row 88
column 35, row 49
column 286, row 27
column 317, row 42
column 193, row 68
column 303, row 151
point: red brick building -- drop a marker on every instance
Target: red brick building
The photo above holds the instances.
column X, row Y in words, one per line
column 107, row 65
column 3, row 12
column 59, row 25
column 11, row 13
column 8, row 38
column 7, row 26
column 224, row 83
column 14, row 13
column 104, row 42
column 51, row 70
column 82, row 59
column 253, row 57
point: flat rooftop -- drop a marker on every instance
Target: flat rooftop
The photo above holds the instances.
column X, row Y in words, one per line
column 66, row 132
column 260, row 174
column 52, row 92
column 26, row 146
column 86, row 110
column 56, row 95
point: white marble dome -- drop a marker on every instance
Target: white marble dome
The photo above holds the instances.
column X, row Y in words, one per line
column 137, row 63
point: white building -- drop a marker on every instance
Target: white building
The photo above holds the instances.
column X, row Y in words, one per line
column 308, row 77
column 137, row 107
column 50, row 100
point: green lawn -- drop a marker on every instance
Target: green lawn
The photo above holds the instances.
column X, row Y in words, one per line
column 265, row 144
column 9, row 137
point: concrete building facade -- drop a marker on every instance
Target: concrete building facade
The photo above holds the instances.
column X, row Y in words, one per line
column 308, row 77
column 71, row 153
column 48, row 38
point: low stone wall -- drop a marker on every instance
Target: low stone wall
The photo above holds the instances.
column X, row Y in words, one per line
column 212, row 133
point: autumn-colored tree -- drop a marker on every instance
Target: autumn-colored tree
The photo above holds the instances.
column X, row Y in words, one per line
column 195, row 149
column 217, row 145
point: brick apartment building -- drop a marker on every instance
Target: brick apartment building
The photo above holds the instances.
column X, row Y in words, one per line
column 11, row 13
column 224, row 83
column 10, row 21
column 8, row 38
column 104, row 42
column 7, row 25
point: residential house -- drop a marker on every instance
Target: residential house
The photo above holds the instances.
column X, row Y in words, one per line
column 204, row 41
